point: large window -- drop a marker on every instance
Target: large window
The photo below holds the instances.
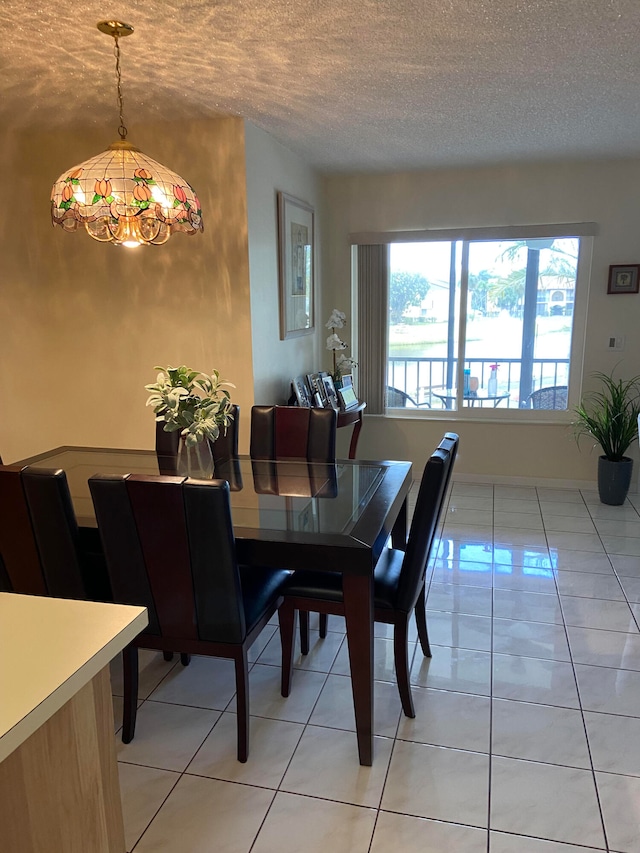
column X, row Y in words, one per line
column 482, row 324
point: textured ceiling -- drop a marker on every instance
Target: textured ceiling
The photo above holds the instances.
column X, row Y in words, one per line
column 351, row 86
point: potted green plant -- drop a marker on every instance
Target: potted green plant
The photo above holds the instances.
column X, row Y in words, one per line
column 196, row 404
column 610, row 416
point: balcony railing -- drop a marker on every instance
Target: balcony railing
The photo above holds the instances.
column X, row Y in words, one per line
column 419, row 377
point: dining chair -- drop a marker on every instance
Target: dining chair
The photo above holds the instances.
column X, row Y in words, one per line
column 295, row 432
column 399, row 579
column 169, row 546
column 40, row 545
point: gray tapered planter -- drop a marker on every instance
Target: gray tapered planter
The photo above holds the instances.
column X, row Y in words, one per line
column 614, row 479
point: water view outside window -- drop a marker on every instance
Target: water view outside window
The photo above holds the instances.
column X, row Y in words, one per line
column 481, row 323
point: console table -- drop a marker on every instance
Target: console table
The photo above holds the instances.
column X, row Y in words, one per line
column 352, row 416
column 59, row 785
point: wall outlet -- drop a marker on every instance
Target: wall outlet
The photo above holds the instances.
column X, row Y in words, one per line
column 616, row 344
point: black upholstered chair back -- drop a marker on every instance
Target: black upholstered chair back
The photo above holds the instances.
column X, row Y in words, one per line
column 293, row 432
column 225, row 447
column 39, row 542
column 426, row 516
column 169, row 546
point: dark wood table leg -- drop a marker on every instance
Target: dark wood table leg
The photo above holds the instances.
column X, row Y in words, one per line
column 354, row 437
column 399, row 529
column 358, row 609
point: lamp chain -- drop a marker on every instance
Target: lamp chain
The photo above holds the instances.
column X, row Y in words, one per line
column 122, row 130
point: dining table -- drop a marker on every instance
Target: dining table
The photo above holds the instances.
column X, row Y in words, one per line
column 333, row 517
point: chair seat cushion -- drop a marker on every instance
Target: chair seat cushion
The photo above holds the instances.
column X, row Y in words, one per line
column 327, row 586
column 260, row 587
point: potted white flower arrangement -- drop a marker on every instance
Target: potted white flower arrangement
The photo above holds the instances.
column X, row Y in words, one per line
column 341, row 363
column 195, row 403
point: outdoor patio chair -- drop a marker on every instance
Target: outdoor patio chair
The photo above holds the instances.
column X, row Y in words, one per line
column 397, row 399
column 552, row 397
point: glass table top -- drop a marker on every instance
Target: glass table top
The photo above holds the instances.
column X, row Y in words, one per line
column 265, row 494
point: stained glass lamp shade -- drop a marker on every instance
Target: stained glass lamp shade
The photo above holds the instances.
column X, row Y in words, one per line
column 122, row 196
column 125, row 197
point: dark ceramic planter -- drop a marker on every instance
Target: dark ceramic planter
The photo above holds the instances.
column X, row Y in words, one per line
column 614, row 479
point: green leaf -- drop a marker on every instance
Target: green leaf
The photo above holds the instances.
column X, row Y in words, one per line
column 96, row 198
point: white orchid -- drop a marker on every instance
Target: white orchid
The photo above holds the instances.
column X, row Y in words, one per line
column 345, row 363
column 341, row 364
column 334, row 343
column 193, row 402
column 337, row 320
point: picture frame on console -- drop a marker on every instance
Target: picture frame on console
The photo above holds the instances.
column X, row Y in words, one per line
column 347, row 397
column 301, row 392
column 346, row 380
column 316, row 389
column 330, row 392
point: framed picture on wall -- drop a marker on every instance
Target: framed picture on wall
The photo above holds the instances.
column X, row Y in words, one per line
column 296, row 249
column 624, row 279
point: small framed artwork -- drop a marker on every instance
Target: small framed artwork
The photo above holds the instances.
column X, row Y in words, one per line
column 348, row 398
column 301, row 392
column 330, row 392
column 624, row 279
column 296, row 250
column 347, row 380
column 315, row 387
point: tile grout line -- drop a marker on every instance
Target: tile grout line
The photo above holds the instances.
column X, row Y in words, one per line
column 575, row 678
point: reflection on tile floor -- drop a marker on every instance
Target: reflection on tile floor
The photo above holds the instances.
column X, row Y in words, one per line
column 527, row 730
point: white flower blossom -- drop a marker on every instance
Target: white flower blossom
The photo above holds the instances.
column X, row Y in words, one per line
column 334, row 343
column 337, row 320
column 344, row 363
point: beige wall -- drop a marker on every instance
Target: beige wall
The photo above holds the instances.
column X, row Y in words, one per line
column 509, row 195
column 82, row 324
column 272, row 167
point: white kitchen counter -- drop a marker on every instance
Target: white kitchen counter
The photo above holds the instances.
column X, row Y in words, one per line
column 49, row 649
column 58, row 773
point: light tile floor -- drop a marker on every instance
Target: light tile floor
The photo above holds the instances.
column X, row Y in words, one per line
column 527, row 730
